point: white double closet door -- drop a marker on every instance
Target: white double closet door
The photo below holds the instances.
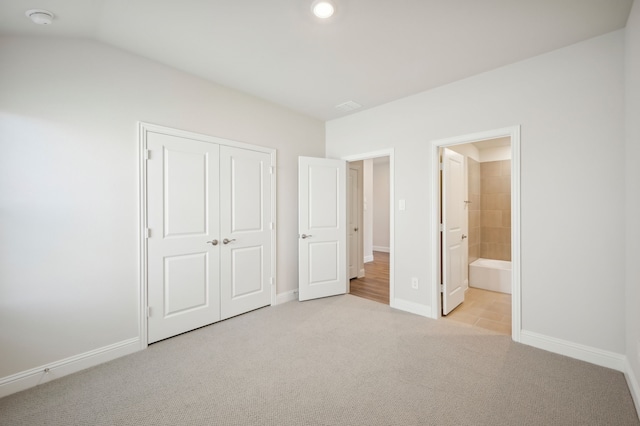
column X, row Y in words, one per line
column 209, row 220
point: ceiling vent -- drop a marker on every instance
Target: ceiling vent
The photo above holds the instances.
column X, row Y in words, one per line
column 348, row 106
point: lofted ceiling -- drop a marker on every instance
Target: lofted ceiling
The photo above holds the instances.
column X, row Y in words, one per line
column 370, row 52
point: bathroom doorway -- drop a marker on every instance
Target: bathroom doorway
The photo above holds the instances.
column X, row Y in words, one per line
column 476, row 216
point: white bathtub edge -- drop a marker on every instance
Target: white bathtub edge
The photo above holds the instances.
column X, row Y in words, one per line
column 491, row 274
column 482, row 260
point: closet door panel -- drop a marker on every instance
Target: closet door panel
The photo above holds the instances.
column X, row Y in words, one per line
column 245, row 230
column 182, row 216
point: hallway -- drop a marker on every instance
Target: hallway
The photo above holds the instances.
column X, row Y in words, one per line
column 375, row 284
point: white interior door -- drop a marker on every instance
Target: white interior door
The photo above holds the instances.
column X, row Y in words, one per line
column 354, row 214
column 453, row 242
column 322, row 239
column 182, row 206
column 245, row 230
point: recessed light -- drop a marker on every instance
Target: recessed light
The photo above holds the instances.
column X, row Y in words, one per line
column 40, row 16
column 323, row 9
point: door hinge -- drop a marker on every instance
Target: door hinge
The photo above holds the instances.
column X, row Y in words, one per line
column 272, row 281
column 441, row 227
column 272, row 225
column 147, row 233
column 441, row 166
column 441, row 288
column 148, row 311
column 271, row 170
column 147, row 154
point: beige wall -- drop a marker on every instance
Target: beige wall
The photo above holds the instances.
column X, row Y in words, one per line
column 381, row 192
column 495, row 212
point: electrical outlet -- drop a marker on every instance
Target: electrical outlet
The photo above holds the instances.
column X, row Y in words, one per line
column 414, row 283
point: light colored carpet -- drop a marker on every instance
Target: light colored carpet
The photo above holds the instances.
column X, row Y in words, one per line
column 335, row 361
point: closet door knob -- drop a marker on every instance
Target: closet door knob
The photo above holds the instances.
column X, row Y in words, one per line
column 213, row 242
column 227, row 241
column 464, row 236
column 303, row 236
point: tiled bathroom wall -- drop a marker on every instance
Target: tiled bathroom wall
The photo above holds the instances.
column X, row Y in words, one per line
column 495, row 210
column 473, row 208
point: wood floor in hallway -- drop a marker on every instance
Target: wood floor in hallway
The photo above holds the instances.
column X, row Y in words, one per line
column 375, row 283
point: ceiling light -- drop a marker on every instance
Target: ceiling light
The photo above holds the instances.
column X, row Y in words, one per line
column 40, row 16
column 323, row 9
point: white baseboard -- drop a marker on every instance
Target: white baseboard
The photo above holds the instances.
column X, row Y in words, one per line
column 411, row 307
column 45, row 373
column 575, row 350
column 287, row 296
column 380, row 248
column 368, row 259
column 634, row 385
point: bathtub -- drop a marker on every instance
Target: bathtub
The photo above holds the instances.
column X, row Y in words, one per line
column 490, row 274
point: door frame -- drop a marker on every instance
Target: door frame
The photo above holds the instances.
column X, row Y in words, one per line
column 516, row 300
column 145, row 128
column 369, row 156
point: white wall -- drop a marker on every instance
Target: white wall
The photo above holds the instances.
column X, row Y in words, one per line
column 69, row 186
column 381, row 229
column 368, row 209
column 632, row 191
column 570, row 105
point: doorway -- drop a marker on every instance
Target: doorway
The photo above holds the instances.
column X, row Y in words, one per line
column 458, row 241
column 374, row 284
column 373, row 206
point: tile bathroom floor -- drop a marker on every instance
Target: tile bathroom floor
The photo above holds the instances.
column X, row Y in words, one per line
column 484, row 309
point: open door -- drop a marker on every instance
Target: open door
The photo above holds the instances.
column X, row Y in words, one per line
column 353, row 219
column 452, row 225
column 322, row 221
